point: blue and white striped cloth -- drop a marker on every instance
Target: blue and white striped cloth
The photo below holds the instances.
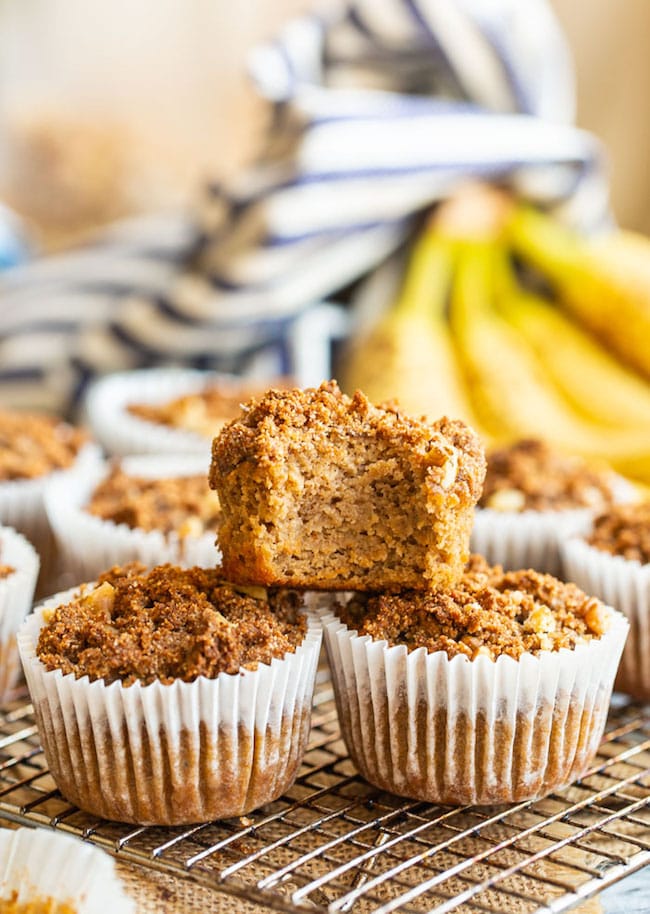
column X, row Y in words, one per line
column 380, row 112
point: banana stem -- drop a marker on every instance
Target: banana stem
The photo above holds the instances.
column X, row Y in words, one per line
column 428, row 277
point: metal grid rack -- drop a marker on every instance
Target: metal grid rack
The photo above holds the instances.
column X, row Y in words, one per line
column 336, row 844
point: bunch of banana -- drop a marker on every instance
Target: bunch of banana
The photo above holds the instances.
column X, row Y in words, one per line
column 468, row 338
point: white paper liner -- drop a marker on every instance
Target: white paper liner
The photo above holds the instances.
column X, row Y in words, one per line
column 121, row 433
column 531, row 539
column 90, row 545
column 41, row 865
column 471, row 732
column 22, row 507
column 173, row 754
column 16, row 593
column 624, row 584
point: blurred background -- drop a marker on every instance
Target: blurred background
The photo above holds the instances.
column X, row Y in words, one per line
column 100, row 120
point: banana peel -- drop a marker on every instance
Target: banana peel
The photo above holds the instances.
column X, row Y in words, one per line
column 408, row 355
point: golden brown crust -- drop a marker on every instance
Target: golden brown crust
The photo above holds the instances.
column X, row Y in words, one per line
column 33, row 445
column 624, row 530
column 184, row 504
column 488, row 612
column 167, row 624
column 531, row 475
column 327, row 491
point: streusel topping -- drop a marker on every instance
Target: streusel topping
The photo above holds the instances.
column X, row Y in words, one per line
column 624, row 530
column 167, row 624
column 203, row 412
column 530, row 475
column 184, row 504
column 488, row 612
column 33, row 445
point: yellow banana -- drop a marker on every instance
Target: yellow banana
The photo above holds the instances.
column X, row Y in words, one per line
column 510, row 388
column 408, row 355
column 603, row 282
column 595, row 384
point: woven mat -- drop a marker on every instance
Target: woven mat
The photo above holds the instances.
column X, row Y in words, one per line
column 156, row 892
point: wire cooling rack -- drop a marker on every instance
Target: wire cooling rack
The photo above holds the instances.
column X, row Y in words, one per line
column 336, row 844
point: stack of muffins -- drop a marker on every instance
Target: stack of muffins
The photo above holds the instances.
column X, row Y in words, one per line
column 455, row 682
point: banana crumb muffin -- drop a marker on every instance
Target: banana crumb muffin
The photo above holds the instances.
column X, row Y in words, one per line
column 624, row 530
column 167, row 624
column 488, row 613
column 611, row 558
column 202, row 690
column 494, row 690
column 184, row 504
column 33, row 445
column 326, row 491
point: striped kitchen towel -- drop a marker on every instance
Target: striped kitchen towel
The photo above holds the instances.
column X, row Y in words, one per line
column 379, row 112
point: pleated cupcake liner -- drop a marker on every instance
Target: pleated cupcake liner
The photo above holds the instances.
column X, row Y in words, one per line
column 625, row 584
column 455, row 731
column 22, row 506
column 16, row 593
column 37, row 865
column 121, row 433
column 90, row 545
column 188, row 752
column 531, row 539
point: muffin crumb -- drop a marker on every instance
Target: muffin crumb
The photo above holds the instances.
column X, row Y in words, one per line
column 624, row 530
column 34, row 444
column 530, row 475
column 489, row 612
column 167, row 624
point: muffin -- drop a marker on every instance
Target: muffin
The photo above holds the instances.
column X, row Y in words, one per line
column 18, row 573
column 44, row 872
column 321, row 490
column 202, row 691
column 164, row 410
column 34, row 449
column 611, row 558
column 143, row 508
column 533, row 496
column 492, row 691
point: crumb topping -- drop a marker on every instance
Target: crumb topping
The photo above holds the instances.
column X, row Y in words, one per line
column 33, row 445
column 280, row 419
column 203, row 412
column 530, row 475
column 624, row 530
column 169, row 623
column 489, row 612
column 184, row 504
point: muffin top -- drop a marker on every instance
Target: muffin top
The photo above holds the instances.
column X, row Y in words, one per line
column 624, row 530
column 166, row 624
column 203, row 412
column 33, row 445
column 184, row 504
column 281, row 419
column 488, row 612
column 530, row 475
